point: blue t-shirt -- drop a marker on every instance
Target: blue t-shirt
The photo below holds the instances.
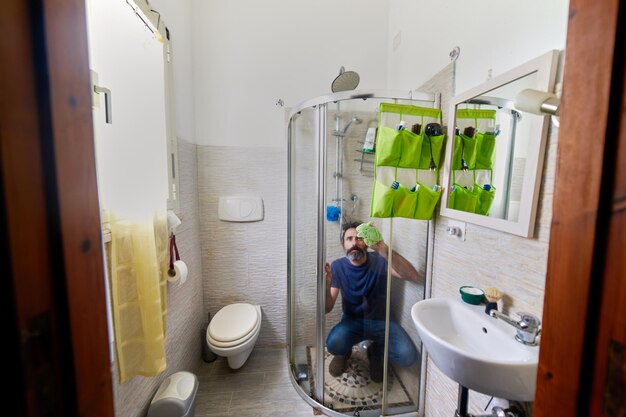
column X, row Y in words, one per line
column 363, row 288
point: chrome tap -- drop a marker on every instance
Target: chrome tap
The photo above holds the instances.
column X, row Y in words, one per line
column 527, row 326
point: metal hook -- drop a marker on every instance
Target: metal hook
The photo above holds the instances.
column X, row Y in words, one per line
column 159, row 18
column 454, row 53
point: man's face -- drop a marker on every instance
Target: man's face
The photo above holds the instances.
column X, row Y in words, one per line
column 354, row 246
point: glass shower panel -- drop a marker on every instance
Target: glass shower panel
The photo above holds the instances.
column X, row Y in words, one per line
column 349, row 180
column 303, row 244
column 349, row 176
column 407, row 239
column 330, row 184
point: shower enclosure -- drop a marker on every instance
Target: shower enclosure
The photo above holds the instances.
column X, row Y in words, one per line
column 330, row 182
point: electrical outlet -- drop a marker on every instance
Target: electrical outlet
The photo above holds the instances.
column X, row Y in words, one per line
column 456, row 229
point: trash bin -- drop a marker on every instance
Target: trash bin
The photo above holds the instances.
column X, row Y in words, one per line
column 176, row 397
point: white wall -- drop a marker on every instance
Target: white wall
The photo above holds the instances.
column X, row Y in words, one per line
column 234, row 59
column 494, row 35
column 248, row 54
column 177, row 17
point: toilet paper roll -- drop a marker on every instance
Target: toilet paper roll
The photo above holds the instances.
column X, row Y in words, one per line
column 181, row 272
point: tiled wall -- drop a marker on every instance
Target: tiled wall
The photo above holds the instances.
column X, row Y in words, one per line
column 245, row 262
column 186, row 315
column 515, row 265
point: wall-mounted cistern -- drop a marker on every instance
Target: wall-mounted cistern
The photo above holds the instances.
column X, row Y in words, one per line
column 527, row 326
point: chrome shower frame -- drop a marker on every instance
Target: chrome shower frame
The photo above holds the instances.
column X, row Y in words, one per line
column 320, row 104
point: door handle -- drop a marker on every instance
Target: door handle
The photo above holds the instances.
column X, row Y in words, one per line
column 107, row 102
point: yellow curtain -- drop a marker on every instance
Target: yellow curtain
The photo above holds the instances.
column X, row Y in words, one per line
column 139, row 262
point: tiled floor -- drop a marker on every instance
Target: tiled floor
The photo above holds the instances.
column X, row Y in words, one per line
column 260, row 388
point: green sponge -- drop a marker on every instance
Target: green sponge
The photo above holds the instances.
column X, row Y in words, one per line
column 369, row 233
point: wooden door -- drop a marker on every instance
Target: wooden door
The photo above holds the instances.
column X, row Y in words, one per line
column 584, row 310
column 49, row 223
column 608, row 376
column 53, row 291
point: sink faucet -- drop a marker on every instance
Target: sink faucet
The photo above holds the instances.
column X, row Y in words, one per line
column 527, row 326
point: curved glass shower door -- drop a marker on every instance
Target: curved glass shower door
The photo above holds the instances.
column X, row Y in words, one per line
column 303, row 245
column 330, row 183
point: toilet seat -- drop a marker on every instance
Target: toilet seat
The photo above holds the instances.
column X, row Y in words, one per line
column 233, row 325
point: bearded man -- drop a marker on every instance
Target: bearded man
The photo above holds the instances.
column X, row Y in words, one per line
column 361, row 276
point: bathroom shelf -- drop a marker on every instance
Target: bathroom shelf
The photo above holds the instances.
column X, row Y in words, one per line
column 366, row 166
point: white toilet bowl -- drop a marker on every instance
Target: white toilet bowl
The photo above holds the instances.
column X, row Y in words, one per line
column 233, row 331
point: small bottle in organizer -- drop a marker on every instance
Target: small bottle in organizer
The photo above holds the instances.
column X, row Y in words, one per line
column 370, row 140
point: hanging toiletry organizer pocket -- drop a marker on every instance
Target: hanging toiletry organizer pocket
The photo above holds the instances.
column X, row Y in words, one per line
column 464, row 152
column 388, row 146
column 473, row 159
column 484, row 198
column 382, row 200
column 431, row 148
column 427, row 200
column 417, row 202
column 462, row 199
column 472, row 200
column 485, row 150
column 403, row 148
column 404, row 201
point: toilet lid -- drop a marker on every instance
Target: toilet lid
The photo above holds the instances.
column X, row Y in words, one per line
column 233, row 322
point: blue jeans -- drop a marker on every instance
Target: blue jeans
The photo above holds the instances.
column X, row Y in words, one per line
column 350, row 331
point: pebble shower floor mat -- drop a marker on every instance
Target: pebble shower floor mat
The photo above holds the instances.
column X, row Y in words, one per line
column 354, row 390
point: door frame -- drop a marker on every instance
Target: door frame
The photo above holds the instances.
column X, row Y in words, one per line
column 50, row 209
column 581, row 207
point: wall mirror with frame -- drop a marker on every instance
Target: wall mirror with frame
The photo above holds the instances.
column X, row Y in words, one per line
column 494, row 152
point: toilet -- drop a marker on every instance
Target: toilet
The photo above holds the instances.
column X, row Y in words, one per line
column 233, row 332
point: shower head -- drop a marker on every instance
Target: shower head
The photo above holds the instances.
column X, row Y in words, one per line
column 354, row 120
column 345, row 81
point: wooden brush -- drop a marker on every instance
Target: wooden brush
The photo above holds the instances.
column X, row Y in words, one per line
column 493, row 295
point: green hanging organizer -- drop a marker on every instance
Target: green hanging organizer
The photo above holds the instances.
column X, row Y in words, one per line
column 407, row 162
column 473, row 155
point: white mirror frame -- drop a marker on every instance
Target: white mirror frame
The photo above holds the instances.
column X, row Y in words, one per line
column 158, row 24
column 546, row 67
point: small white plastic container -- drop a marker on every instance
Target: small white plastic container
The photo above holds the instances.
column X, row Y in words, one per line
column 176, row 397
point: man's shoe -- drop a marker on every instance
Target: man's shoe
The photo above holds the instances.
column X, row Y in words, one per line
column 376, row 367
column 338, row 365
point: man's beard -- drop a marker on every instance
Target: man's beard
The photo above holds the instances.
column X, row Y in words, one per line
column 355, row 253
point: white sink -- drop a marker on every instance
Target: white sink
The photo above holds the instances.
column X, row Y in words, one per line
column 476, row 350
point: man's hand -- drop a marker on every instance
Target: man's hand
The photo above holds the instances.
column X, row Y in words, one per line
column 381, row 247
column 329, row 275
column 331, row 293
column 369, row 233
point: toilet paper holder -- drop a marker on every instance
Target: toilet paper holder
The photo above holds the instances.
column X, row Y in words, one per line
column 174, row 255
column 177, row 270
